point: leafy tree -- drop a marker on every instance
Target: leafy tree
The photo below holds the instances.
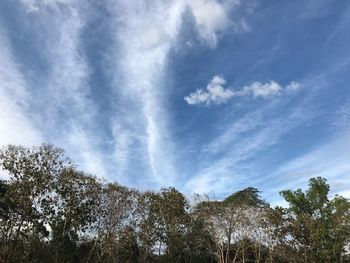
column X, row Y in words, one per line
column 73, row 211
column 148, row 229
column 50, row 204
column 228, row 221
column 116, row 214
column 173, row 214
column 31, row 174
column 249, row 196
column 199, row 242
column 319, row 227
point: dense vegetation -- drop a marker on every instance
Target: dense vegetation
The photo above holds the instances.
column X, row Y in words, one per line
column 51, row 212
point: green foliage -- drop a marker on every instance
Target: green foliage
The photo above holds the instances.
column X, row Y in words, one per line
column 47, row 202
column 319, row 227
column 247, row 197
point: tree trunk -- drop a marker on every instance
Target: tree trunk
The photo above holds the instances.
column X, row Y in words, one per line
column 227, row 259
column 243, row 253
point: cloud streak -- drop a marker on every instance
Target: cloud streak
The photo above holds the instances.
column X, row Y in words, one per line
column 330, row 160
column 226, row 172
column 68, row 89
column 58, row 100
column 216, row 93
column 146, row 34
column 15, row 124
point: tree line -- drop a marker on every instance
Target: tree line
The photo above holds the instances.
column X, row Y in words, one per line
column 52, row 212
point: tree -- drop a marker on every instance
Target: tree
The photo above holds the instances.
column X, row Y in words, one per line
column 115, row 225
column 73, row 207
column 174, row 218
column 198, row 242
column 319, row 227
column 52, row 212
column 49, row 200
column 229, row 220
column 31, row 174
column 146, row 223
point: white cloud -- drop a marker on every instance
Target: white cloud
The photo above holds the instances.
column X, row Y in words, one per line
column 241, row 26
column 123, row 142
column 258, row 89
column 51, row 2
column 344, row 193
column 293, row 87
column 211, row 18
column 216, row 93
column 342, row 116
column 152, row 38
column 31, row 5
column 67, row 80
column 15, row 124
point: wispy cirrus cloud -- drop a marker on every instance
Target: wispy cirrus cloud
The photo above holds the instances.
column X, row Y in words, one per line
column 217, row 93
column 146, row 34
column 224, row 173
column 69, row 91
column 15, row 124
column 63, row 108
column 330, row 160
column 227, row 162
column 58, row 101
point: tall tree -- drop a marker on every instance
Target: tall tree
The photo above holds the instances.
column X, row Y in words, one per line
column 228, row 221
column 50, row 201
column 116, row 222
column 32, row 172
column 319, row 227
column 172, row 218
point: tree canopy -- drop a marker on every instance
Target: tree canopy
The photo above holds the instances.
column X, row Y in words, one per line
column 52, row 212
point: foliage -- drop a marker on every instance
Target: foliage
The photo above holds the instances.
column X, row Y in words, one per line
column 319, row 227
column 52, row 212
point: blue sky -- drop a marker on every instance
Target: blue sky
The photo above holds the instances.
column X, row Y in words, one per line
column 208, row 96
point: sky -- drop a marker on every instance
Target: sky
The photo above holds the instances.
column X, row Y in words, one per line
column 208, row 96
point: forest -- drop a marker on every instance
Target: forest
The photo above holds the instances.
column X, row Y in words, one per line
column 50, row 211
